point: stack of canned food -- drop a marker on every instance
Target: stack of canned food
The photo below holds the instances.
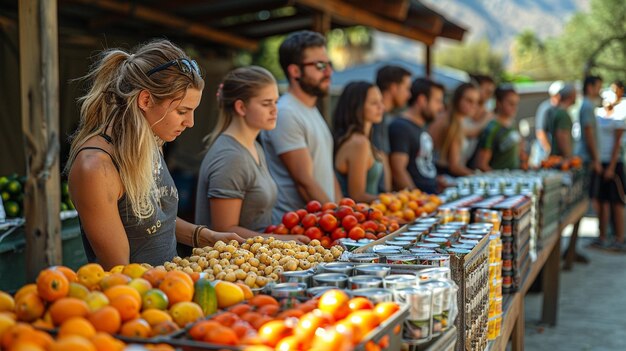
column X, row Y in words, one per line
column 429, row 292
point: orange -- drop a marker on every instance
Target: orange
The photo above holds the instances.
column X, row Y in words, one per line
column 66, row 308
column 119, row 290
column 73, row 343
column 177, row 290
column 240, row 309
column 23, row 345
column 42, row 324
column 262, row 300
column 159, row 347
column 385, row 310
column 127, row 306
column 90, row 275
column 105, row 342
column 134, row 270
column 247, row 292
column 226, row 319
column 154, row 316
column 12, row 333
column 76, row 326
column 136, row 328
column 363, row 322
column 29, row 307
column 164, row 328
column 28, row 288
column 200, row 329
column 222, row 335
column 180, row 274
column 5, row 324
column 52, row 285
column 67, row 272
column 272, row 332
column 7, row 303
column 155, row 276
column 107, row 319
column 113, row 280
column 268, row 310
column 335, row 302
column 184, row 313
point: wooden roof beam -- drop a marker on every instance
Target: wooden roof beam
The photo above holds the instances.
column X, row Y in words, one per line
column 395, row 9
column 343, row 12
column 187, row 27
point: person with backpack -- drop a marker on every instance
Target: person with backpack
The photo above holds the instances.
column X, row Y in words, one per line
column 499, row 143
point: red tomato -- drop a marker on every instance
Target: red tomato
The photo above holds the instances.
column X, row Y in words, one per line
column 343, row 211
column 349, row 222
column 360, row 217
column 370, row 235
column 281, row 229
column 310, row 322
column 308, row 221
column 335, row 302
column 297, row 230
column 313, row 233
column 339, row 233
column 270, row 228
column 314, row 206
column 329, row 206
column 290, row 219
column 325, row 242
column 375, row 215
column 328, row 222
column 370, row 225
column 360, row 303
column 356, row 233
column 301, row 213
column 346, row 201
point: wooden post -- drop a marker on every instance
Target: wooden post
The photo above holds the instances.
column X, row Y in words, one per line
column 39, row 79
column 321, row 24
column 428, row 61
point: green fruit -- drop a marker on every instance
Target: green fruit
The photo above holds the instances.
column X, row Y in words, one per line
column 12, row 209
column 70, row 204
column 155, row 298
column 63, row 206
column 3, row 182
column 65, row 190
column 205, row 296
column 5, row 196
column 14, row 187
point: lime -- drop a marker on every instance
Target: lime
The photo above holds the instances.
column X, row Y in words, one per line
column 5, row 196
column 12, row 209
column 155, row 298
column 65, row 189
column 63, row 206
column 14, row 187
column 3, row 182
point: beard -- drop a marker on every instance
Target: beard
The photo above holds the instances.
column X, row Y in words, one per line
column 428, row 115
column 314, row 88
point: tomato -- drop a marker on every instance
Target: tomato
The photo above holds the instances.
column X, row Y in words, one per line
column 325, row 242
column 328, row 222
column 370, row 235
column 363, row 321
column 335, row 302
column 369, row 225
column 375, row 215
column 270, row 228
column 331, row 339
column 281, row 229
column 345, row 328
column 290, row 219
column 297, row 230
column 346, row 201
column 343, row 211
column 329, row 206
column 339, row 233
column 272, row 332
column 360, row 217
column 313, row 233
column 301, row 213
column 384, row 310
column 308, row 323
column 356, row 233
column 314, row 206
column 349, row 222
column 309, row 220
column 360, row 303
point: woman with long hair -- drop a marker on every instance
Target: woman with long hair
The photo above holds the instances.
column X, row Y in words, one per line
column 448, row 133
column 118, row 180
column 236, row 191
column 499, row 145
column 358, row 165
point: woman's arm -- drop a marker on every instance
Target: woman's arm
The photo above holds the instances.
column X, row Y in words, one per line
column 207, row 237
column 95, row 187
column 225, row 217
column 482, row 159
column 359, row 149
column 454, row 160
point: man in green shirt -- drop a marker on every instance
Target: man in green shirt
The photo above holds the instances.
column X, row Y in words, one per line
column 559, row 124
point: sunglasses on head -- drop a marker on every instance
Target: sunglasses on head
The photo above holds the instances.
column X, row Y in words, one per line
column 184, row 65
column 320, row 65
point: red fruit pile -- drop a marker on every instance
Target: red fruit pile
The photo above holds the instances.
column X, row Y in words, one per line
column 331, row 222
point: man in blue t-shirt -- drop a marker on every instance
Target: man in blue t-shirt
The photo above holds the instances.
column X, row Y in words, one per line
column 411, row 156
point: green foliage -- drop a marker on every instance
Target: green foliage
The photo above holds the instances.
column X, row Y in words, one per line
column 475, row 57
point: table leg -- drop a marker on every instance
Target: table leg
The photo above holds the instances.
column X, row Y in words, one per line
column 517, row 337
column 571, row 248
column 551, row 284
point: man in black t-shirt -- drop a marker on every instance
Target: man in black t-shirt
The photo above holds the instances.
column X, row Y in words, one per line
column 411, row 157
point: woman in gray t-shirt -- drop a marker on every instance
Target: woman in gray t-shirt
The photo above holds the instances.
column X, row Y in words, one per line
column 235, row 189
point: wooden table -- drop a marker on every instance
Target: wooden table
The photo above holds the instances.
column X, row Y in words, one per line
column 548, row 258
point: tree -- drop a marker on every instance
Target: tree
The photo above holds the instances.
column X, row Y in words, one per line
column 475, row 57
column 528, row 56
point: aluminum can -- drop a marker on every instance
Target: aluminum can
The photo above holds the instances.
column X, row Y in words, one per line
column 397, row 281
column 317, row 291
column 419, row 322
column 338, row 267
column 331, row 279
column 402, row 259
column 373, row 270
column 297, row 277
column 365, row 258
column 364, row 282
column 375, row 295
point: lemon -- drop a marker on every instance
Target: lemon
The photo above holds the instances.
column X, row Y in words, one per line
column 134, row 270
column 228, row 294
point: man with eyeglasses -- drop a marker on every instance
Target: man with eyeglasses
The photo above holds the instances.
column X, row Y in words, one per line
column 300, row 149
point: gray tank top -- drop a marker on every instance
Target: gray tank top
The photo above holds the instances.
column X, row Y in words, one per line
column 153, row 239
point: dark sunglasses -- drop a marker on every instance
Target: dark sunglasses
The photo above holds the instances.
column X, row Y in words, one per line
column 320, row 65
column 184, row 65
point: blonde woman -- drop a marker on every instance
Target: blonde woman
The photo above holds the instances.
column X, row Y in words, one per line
column 118, row 180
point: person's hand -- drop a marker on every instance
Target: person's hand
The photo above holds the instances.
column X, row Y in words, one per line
column 609, row 173
column 214, row 237
column 597, row 167
column 302, row 239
